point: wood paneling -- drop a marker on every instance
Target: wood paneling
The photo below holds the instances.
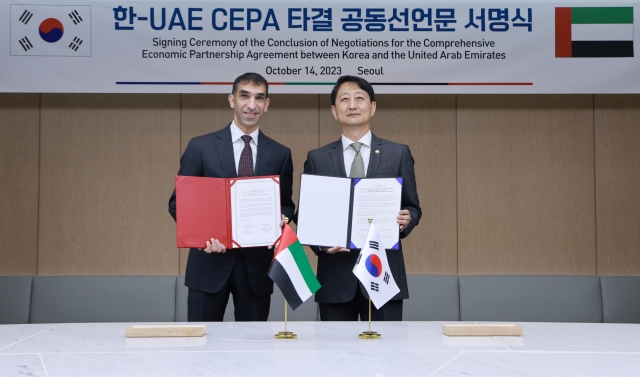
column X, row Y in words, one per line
column 292, row 120
column 526, row 185
column 506, row 183
column 427, row 123
column 617, row 132
column 19, row 148
column 107, row 163
column 199, row 114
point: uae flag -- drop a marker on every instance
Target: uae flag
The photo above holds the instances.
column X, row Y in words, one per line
column 291, row 271
column 594, row 32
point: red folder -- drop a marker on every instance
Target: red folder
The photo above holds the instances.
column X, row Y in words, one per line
column 203, row 210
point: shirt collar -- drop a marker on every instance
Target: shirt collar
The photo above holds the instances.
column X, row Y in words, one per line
column 365, row 140
column 236, row 133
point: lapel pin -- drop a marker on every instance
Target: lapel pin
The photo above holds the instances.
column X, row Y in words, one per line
column 377, row 151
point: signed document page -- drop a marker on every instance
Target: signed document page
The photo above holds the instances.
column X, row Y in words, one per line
column 323, row 210
column 379, row 199
column 255, row 212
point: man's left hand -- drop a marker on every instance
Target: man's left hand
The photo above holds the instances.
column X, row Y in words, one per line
column 404, row 217
column 281, row 226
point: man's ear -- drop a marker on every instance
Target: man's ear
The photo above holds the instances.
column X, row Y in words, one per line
column 232, row 101
column 333, row 111
column 266, row 104
column 373, row 108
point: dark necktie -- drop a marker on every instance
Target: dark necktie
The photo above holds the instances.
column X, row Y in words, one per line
column 245, row 167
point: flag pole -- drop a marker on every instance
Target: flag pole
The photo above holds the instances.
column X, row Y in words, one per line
column 369, row 314
column 369, row 334
column 285, row 334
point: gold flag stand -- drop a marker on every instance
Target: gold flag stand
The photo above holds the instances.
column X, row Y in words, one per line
column 285, row 334
column 369, row 334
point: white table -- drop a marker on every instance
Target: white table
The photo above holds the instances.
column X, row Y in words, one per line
column 322, row 349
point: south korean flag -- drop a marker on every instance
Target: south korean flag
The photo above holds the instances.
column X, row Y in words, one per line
column 372, row 269
column 50, row 30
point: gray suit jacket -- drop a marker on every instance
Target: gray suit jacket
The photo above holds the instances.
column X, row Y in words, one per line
column 335, row 274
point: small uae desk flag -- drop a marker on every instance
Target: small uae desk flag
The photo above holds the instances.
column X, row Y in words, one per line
column 291, row 270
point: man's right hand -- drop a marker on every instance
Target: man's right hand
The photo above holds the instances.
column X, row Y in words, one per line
column 336, row 249
column 214, row 246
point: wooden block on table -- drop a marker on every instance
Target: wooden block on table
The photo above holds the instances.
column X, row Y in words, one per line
column 481, row 330
column 164, row 331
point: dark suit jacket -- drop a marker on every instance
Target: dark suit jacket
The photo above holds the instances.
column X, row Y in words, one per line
column 335, row 270
column 211, row 155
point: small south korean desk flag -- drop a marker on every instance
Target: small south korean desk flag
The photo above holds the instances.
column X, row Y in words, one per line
column 372, row 269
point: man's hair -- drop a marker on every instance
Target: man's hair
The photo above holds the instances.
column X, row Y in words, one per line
column 362, row 84
column 250, row 77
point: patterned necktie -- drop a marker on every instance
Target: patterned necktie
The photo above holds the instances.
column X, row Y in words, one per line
column 357, row 166
column 245, row 167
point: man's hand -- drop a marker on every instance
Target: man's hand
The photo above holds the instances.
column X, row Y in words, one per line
column 214, row 246
column 337, row 249
column 403, row 218
column 281, row 226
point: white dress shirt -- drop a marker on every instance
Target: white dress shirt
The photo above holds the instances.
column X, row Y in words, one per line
column 350, row 153
column 238, row 144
